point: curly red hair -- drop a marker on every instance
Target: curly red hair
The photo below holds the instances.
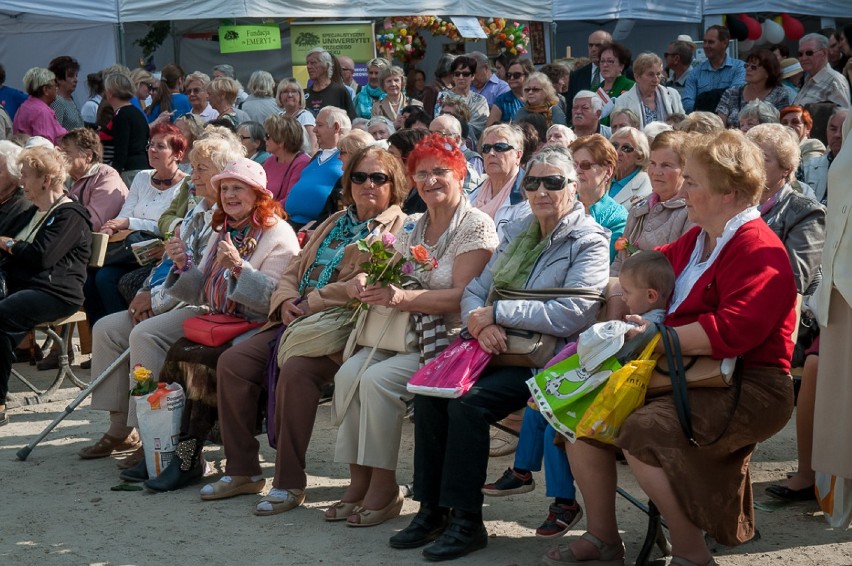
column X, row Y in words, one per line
column 266, row 209
column 438, row 147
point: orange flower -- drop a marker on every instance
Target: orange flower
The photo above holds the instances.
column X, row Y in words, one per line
column 621, row 244
column 419, row 253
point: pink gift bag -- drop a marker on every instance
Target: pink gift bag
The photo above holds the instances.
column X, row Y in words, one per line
column 453, row 372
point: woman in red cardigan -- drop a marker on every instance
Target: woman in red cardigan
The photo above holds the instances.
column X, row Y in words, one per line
column 734, row 297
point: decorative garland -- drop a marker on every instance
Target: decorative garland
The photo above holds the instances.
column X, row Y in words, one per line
column 507, row 38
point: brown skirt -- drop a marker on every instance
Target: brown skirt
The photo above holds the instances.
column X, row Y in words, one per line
column 712, row 483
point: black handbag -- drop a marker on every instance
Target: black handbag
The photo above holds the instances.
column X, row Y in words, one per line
column 119, row 250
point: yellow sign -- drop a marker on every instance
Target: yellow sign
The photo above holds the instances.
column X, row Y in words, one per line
column 353, row 39
column 238, row 39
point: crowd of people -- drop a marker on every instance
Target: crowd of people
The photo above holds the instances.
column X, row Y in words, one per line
column 509, row 179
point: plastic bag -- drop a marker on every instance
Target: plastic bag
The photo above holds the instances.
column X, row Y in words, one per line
column 834, row 495
column 564, row 391
column 159, row 416
column 453, row 372
column 623, row 393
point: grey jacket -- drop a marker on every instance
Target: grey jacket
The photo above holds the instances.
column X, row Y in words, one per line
column 577, row 256
column 800, row 224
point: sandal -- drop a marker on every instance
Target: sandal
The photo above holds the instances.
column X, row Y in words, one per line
column 109, row 445
column 608, row 554
column 362, row 517
column 340, row 511
column 279, row 501
column 230, row 486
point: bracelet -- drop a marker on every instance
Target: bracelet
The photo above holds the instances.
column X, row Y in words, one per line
column 185, row 267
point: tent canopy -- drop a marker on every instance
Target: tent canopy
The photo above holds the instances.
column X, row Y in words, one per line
column 824, row 8
column 658, row 10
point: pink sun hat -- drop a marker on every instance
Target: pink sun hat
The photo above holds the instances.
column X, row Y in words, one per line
column 245, row 170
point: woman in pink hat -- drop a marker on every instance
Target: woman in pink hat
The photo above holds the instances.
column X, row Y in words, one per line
column 249, row 248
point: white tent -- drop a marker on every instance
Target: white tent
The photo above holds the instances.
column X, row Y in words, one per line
column 823, row 8
column 602, row 10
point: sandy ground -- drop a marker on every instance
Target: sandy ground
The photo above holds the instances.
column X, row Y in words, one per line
column 58, row 509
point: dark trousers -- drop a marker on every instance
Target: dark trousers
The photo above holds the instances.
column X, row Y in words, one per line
column 451, row 438
column 102, row 294
column 19, row 313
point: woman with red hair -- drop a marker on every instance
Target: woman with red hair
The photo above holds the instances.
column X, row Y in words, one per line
column 799, row 120
column 248, row 250
column 370, row 395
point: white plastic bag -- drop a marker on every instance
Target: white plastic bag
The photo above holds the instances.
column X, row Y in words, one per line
column 159, row 416
column 834, row 495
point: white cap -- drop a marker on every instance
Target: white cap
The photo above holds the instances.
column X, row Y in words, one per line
column 601, row 342
column 38, row 141
column 686, row 38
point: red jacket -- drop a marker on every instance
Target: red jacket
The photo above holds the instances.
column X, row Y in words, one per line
column 746, row 299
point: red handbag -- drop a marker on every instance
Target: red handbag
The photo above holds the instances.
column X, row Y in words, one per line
column 216, row 329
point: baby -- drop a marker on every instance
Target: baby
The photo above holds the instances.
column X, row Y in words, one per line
column 647, row 281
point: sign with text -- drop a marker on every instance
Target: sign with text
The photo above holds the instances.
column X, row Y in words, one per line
column 238, row 39
column 352, row 39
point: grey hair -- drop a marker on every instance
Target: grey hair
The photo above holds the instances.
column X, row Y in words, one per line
column 782, row 140
column 199, row 77
column 119, row 85
column 227, row 70
column 261, row 84
column 555, row 156
column 381, row 120
column 452, row 122
column 335, row 115
column 481, row 59
column 512, row 133
column 597, row 103
column 763, row 111
column 444, row 66
column 567, row 132
column 640, row 141
column 10, row 151
column 360, row 123
column 653, row 129
column 325, row 59
column 631, row 116
column 820, row 39
column 218, row 147
column 255, row 131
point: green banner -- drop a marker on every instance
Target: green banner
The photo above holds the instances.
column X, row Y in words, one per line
column 353, row 39
column 238, row 39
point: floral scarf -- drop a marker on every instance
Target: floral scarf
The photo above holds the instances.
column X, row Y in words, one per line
column 347, row 229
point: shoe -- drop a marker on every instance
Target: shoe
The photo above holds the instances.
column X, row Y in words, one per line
column 279, row 501
column 425, row 527
column 608, row 554
column 510, row 483
column 461, row 537
column 86, row 364
column 28, row 355
column 51, row 361
column 137, row 473
column 230, row 486
column 787, row 494
column 560, row 519
column 186, row 467
column 502, row 443
column 340, row 511
column 132, row 460
column 362, row 517
column 109, row 445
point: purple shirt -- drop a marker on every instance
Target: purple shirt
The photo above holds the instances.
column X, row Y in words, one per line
column 493, row 88
column 36, row 118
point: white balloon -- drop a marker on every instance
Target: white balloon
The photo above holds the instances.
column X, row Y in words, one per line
column 746, row 45
column 772, row 31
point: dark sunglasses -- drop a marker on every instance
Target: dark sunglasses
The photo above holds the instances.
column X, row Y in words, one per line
column 624, row 148
column 809, row 52
column 359, row 178
column 499, row 147
column 464, row 74
column 515, row 76
column 752, row 66
column 551, row 183
column 532, row 89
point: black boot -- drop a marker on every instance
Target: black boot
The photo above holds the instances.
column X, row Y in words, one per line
column 186, row 467
column 137, row 473
column 425, row 527
column 465, row 534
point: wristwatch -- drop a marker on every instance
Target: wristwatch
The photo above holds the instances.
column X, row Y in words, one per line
column 10, row 244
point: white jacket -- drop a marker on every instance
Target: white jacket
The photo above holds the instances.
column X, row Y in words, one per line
column 816, row 175
column 669, row 97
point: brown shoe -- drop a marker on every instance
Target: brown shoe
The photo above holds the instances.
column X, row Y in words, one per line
column 131, row 461
column 109, row 445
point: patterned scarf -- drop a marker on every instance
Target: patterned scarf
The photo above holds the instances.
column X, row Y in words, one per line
column 347, row 229
column 546, row 110
column 246, row 238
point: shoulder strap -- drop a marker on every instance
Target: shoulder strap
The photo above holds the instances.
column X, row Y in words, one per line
column 550, row 293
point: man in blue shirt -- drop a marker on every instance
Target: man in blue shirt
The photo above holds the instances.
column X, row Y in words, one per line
column 10, row 98
column 484, row 81
column 713, row 76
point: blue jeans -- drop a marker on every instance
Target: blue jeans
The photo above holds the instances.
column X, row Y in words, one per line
column 536, row 441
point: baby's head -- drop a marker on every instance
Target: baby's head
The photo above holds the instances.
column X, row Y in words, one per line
column 647, row 280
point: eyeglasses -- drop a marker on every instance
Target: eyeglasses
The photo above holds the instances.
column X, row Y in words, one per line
column 157, row 146
column 809, row 52
column 245, row 137
column 359, row 178
column 499, row 147
column 752, row 66
column 551, row 183
column 515, row 76
column 438, row 173
column 585, row 165
column 445, row 133
column 608, row 61
column 624, row 148
column 464, row 74
column 193, row 91
column 532, row 89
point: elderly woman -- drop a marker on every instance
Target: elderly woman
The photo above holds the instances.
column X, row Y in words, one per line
column 623, row 117
column 291, row 99
column 380, row 128
column 799, row 120
column 44, row 255
column 630, row 184
column 192, row 127
column 560, row 135
column 261, row 103
column 13, row 202
column 94, row 184
column 500, row 196
column 314, row 284
column 463, row 68
column 370, row 393
column 153, row 321
column 126, row 136
column 540, row 99
column 168, row 103
column 557, row 246
column 757, row 112
column 595, row 160
column 35, row 117
column 223, row 92
column 371, row 92
column 195, row 87
column 615, row 57
column 392, row 80
column 249, row 249
column 285, row 137
column 649, row 99
column 700, row 122
column 253, row 137
column 150, row 195
column 326, row 86
column 705, row 489
column 763, row 82
column 507, row 104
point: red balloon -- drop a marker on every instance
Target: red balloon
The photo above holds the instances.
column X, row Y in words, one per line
column 754, row 28
column 793, row 28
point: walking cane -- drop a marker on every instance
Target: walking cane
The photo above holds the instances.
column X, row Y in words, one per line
column 25, row 451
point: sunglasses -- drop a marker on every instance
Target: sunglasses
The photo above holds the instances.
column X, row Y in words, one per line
column 515, row 76
column 438, row 172
column 624, row 148
column 532, row 89
column 752, row 66
column 585, row 165
column 499, row 147
column 551, row 183
column 809, row 52
column 359, row 178
column 464, row 74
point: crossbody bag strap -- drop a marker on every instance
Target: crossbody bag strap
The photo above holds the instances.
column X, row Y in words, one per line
column 550, row 293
